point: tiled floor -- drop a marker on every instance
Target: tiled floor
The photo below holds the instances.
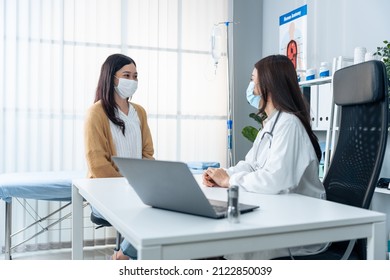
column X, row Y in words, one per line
column 90, row 253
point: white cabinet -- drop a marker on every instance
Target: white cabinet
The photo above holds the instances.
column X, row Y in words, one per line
column 381, row 203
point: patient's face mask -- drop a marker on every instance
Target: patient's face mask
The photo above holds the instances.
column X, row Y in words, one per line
column 126, row 88
column 253, row 99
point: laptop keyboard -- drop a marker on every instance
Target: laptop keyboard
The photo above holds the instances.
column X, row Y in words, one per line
column 219, row 209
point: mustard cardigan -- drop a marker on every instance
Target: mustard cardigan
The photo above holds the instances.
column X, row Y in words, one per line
column 99, row 144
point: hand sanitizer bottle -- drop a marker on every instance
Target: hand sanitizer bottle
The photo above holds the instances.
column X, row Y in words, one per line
column 233, row 213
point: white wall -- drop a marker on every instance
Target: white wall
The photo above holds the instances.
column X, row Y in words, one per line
column 335, row 27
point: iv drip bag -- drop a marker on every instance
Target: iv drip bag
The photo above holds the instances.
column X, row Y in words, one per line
column 216, row 44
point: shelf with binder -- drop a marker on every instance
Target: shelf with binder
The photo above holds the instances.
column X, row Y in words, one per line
column 316, row 82
column 320, row 102
column 318, row 92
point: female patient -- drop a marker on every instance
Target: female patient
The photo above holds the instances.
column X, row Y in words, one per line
column 116, row 127
column 285, row 155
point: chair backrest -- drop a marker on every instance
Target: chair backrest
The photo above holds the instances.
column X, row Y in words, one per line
column 361, row 91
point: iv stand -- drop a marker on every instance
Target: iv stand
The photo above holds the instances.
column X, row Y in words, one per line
column 230, row 103
column 230, row 80
column 229, row 122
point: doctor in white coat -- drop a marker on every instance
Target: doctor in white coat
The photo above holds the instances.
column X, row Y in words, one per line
column 285, row 155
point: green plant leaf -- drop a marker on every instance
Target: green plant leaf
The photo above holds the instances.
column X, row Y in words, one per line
column 250, row 133
column 384, row 52
column 256, row 117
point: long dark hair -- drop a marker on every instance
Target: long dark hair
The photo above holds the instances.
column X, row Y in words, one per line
column 105, row 89
column 277, row 77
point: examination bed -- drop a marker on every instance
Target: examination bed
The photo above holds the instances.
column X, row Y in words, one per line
column 50, row 186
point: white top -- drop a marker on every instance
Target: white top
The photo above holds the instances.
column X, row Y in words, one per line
column 130, row 144
column 283, row 163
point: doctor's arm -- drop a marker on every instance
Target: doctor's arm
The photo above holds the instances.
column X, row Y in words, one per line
column 219, row 177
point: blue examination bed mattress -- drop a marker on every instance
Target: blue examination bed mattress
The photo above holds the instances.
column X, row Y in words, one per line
column 53, row 186
column 56, row 185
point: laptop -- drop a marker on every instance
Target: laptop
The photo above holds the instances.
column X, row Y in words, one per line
column 171, row 186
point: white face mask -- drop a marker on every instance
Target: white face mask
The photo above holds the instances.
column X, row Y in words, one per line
column 254, row 100
column 126, row 88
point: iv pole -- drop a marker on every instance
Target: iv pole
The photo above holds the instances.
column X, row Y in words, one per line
column 230, row 153
column 230, row 79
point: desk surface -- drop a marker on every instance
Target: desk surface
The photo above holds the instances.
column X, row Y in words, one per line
column 281, row 221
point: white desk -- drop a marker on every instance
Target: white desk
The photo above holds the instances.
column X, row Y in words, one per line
column 282, row 221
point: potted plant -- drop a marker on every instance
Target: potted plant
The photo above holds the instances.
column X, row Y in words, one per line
column 384, row 53
column 250, row 132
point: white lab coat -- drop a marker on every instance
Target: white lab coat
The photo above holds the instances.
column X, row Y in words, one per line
column 289, row 165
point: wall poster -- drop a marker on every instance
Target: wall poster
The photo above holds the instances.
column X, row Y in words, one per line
column 293, row 37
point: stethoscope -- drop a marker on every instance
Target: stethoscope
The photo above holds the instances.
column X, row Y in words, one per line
column 269, row 136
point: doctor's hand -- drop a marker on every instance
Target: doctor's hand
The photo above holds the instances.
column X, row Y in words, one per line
column 207, row 181
column 217, row 177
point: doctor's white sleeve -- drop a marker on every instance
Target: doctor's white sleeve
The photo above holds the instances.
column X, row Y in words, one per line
column 242, row 165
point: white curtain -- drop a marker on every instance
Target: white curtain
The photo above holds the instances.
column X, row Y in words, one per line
column 50, row 57
column 51, row 52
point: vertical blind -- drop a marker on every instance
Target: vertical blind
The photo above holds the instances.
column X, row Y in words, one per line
column 50, row 56
column 51, row 52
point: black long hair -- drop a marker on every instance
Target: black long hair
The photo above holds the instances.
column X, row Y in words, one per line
column 105, row 89
column 277, row 77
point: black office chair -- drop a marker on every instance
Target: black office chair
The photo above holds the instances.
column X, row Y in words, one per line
column 361, row 91
column 103, row 223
